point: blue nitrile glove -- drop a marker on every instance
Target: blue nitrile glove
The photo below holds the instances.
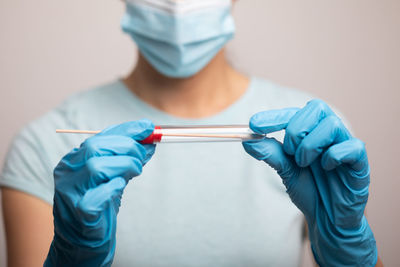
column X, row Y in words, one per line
column 89, row 182
column 326, row 174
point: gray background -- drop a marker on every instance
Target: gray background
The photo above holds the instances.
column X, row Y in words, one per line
column 346, row 52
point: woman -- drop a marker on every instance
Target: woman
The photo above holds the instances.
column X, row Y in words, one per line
column 193, row 205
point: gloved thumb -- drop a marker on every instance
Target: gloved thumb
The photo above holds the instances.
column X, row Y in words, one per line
column 271, row 152
column 271, row 120
column 137, row 130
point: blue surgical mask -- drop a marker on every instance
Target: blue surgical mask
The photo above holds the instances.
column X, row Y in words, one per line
column 179, row 37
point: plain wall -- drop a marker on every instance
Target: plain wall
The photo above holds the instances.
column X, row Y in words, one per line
column 345, row 52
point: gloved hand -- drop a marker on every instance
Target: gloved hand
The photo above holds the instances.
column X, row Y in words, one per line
column 326, row 174
column 89, row 182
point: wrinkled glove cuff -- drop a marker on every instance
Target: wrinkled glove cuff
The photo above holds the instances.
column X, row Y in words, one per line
column 62, row 254
column 338, row 247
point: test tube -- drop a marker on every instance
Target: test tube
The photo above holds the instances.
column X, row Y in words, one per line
column 192, row 134
column 202, row 133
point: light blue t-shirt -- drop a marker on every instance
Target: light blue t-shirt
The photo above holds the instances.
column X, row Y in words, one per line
column 195, row 204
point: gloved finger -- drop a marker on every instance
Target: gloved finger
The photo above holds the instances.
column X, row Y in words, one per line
column 350, row 159
column 303, row 122
column 103, row 169
column 271, row 152
column 150, row 149
column 330, row 130
column 95, row 201
column 299, row 185
column 108, row 145
column 138, row 130
column 271, row 120
column 351, row 152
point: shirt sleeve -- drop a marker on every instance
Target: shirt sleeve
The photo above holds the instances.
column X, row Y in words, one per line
column 27, row 166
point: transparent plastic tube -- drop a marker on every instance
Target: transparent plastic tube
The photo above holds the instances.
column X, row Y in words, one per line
column 206, row 133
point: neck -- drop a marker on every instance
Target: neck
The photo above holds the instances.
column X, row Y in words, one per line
column 208, row 92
